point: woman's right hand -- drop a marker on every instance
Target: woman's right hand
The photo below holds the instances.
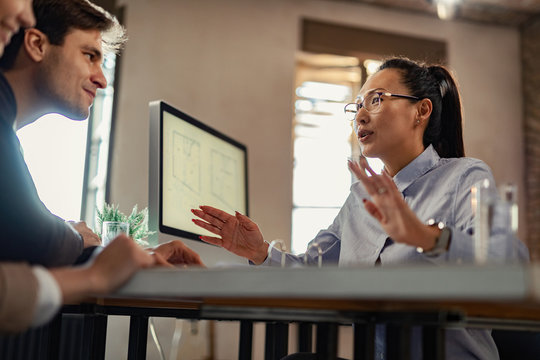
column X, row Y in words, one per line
column 238, row 234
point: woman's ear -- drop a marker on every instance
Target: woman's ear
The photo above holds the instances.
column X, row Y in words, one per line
column 424, row 109
column 35, row 44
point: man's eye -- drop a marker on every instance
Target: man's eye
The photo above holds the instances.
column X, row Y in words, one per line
column 89, row 56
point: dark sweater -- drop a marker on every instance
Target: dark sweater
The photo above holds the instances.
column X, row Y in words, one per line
column 28, row 230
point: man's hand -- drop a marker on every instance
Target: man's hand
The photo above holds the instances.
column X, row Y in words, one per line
column 177, row 253
column 89, row 237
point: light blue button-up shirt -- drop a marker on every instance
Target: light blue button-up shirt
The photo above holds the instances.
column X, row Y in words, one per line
column 434, row 188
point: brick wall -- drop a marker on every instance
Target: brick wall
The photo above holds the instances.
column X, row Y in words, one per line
column 531, row 99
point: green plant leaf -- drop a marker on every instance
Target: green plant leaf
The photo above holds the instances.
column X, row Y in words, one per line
column 138, row 221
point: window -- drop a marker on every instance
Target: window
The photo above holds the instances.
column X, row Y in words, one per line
column 55, row 149
column 323, row 141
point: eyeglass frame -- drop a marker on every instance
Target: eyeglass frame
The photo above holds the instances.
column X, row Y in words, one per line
column 379, row 93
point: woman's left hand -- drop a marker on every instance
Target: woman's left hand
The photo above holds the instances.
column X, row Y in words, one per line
column 390, row 209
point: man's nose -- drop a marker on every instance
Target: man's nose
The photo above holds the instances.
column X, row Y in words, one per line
column 26, row 17
column 99, row 78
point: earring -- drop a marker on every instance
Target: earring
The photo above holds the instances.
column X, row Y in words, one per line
column 417, row 121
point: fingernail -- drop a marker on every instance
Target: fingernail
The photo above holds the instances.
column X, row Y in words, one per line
column 364, row 200
column 193, row 220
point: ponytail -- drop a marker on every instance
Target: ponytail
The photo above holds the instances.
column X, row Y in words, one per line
column 444, row 130
column 449, row 143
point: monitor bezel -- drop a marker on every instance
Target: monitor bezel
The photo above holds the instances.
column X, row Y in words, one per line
column 165, row 107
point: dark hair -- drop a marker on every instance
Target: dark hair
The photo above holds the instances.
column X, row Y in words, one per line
column 56, row 18
column 444, row 130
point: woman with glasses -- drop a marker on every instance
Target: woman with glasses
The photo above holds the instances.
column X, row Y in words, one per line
column 417, row 211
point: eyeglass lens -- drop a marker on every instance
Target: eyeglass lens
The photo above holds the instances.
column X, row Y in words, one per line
column 371, row 103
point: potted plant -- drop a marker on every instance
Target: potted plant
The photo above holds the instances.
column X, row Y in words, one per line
column 137, row 220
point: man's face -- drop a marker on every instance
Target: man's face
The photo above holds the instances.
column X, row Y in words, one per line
column 71, row 73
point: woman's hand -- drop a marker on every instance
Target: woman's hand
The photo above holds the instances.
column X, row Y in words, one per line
column 238, row 234
column 390, row 209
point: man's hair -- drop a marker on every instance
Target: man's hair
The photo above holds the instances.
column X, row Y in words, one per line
column 56, row 18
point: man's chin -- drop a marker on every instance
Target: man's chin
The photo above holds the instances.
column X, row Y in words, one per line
column 76, row 114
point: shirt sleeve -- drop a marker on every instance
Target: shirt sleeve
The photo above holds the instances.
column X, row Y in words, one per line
column 49, row 297
column 30, row 233
column 18, row 294
column 326, row 245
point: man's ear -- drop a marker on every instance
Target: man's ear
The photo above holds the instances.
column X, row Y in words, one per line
column 36, row 44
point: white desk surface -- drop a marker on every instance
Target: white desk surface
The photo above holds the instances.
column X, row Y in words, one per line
column 465, row 282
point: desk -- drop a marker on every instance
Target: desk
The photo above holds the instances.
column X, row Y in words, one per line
column 434, row 297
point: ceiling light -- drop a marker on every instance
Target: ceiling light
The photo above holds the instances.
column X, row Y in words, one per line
column 446, row 9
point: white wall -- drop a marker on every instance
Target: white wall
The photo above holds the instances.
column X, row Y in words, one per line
column 231, row 64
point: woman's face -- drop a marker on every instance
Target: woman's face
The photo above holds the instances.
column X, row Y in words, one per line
column 14, row 14
column 392, row 130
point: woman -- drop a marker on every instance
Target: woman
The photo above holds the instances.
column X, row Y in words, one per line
column 418, row 210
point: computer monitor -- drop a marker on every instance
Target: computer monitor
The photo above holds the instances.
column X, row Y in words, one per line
column 192, row 164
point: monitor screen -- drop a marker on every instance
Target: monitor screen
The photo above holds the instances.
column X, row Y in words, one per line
column 198, row 165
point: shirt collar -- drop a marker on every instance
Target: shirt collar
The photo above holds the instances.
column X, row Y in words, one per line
column 416, row 168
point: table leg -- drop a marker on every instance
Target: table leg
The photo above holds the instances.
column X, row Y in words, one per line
column 433, row 342
column 94, row 336
column 305, row 337
column 138, row 332
column 276, row 340
column 398, row 341
column 54, row 337
column 246, row 340
column 327, row 338
column 364, row 341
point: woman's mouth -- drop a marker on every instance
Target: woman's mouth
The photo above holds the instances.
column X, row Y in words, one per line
column 364, row 135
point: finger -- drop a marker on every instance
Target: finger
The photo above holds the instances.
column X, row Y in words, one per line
column 365, row 166
column 212, row 240
column 367, row 181
column 373, row 210
column 210, row 227
column 192, row 258
column 160, row 260
column 97, row 239
column 387, row 180
column 218, row 223
column 216, row 213
column 378, row 184
column 355, row 168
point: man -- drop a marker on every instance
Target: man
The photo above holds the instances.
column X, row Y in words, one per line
column 30, row 296
column 52, row 67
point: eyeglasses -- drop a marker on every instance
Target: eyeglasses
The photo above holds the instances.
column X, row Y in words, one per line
column 372, row 103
